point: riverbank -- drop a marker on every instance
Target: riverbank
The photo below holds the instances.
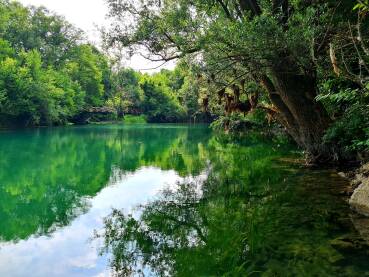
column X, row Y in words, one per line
column 358, row 190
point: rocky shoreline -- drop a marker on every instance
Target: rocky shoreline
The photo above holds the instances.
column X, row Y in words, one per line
column 359, row 189
column 357, row 195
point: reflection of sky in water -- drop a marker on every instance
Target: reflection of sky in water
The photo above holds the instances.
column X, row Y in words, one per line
column 68, row 252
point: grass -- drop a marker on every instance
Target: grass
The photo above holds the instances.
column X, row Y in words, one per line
column 134, row 119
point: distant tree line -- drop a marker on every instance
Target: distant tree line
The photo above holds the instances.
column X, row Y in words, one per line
column 166, row 96
column 49, row 74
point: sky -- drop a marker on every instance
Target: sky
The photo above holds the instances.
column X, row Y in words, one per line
column 86, row 15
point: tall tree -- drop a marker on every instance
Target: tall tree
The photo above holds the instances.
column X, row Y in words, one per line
column 276, row 43
column 85, row 69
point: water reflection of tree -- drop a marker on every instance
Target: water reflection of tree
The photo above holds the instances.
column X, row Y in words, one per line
column 196, row 228
column 46, row 176
column 252, row 216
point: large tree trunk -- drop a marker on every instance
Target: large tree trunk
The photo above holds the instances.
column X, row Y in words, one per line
column 304, row 118
column 293, row 94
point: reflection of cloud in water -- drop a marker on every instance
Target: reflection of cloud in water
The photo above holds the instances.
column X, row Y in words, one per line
column 67, row 252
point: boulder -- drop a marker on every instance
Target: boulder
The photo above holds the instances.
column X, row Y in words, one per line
column 359, row 200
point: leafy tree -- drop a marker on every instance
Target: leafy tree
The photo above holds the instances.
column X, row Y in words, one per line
column 5, row 49
column 159, row 104
column 33, row 95
column 128, row 94
column 48, row 74
column 84, row 69
column 277, row 44
column 20, row 83
column 38, row 28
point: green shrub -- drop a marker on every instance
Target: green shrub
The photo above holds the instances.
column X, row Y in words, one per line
column 238, row 122
column 134, row 119
column 350, row 133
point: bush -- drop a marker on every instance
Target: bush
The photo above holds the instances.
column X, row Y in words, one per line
column 350, row 133
column 134, row 119
column 239, row 122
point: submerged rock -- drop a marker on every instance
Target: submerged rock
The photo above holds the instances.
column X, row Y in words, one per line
column 361, row 224
column 343, row 244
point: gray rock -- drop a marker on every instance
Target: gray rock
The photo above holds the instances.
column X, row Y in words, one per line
column 365, row 168
column 342, row 174
column 356, row 182
column 359, row 200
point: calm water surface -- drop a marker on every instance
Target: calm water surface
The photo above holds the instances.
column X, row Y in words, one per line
column 169, row 200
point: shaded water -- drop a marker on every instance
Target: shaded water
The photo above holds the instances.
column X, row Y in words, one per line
column 168, row 200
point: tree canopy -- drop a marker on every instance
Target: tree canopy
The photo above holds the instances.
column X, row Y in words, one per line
column 286, row 49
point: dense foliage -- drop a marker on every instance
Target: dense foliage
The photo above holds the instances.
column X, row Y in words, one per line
column 166, row 96
column 47, row 75
column 291, row 59
column 50, row 75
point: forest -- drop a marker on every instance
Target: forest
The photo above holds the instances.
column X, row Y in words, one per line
column 50, row 74
column 300, row 66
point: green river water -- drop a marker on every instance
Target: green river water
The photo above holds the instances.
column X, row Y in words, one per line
column 169, row 200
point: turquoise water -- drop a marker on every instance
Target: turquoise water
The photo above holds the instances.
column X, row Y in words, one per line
column 171, row 200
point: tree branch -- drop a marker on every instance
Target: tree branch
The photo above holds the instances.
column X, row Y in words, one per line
column 225, row 8
column 250, row 5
